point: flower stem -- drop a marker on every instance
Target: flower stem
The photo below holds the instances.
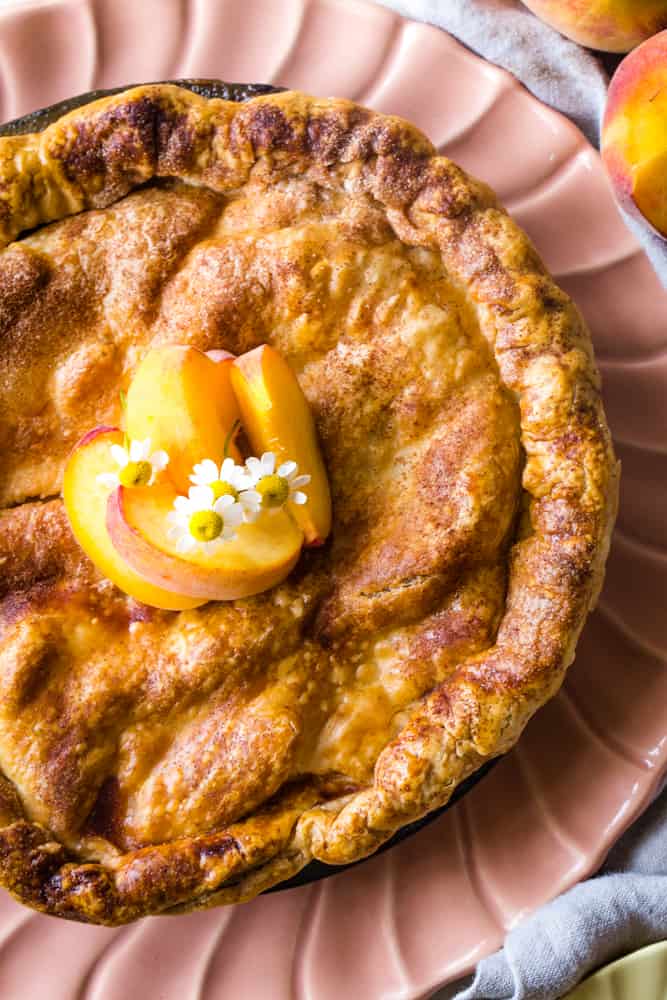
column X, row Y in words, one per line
column 123, row 406
column 235, row 428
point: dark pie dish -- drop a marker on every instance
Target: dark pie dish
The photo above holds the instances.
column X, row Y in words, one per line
column 160, row 762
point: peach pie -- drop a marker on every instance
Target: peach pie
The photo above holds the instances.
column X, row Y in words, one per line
column 306, row 491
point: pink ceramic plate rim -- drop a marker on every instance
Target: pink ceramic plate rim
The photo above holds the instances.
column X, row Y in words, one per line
column 425, row 912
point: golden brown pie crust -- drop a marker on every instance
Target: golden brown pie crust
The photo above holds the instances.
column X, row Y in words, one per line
column 156, row 761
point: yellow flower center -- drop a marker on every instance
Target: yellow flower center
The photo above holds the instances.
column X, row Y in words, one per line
column 205, row 525
column 274, row 490
column 222, row 489
column 136, row 474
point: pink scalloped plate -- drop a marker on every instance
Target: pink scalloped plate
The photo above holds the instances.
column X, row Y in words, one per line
column 423, row 913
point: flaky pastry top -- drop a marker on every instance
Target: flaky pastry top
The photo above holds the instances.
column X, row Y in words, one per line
column 156, row 761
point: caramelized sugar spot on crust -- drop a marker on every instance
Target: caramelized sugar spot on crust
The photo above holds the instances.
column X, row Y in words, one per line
column 133, row 728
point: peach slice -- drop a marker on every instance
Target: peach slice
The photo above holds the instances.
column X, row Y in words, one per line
column 86, row 506
column 276, row 417
column 261, row 555
column 182, row 400
column 219, row 355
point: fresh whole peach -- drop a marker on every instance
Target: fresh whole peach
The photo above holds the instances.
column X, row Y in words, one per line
column 634, row 132
column 610, row 25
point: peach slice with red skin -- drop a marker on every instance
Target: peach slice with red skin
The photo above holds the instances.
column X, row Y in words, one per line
column 634, row 132
column 182, row 400
column 86, row 505
column 217, row 355
column 259, row 557
column 187, row 403
column 276, row 417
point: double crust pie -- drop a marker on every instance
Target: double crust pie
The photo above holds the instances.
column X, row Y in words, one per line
column 158, row 761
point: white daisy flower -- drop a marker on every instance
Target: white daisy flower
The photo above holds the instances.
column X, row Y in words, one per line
column 137, row 466
column 229, row 480
column 200, row 521
column 276, row 487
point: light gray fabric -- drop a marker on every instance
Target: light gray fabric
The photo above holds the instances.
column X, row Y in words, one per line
column 620, row 910
column 559, row 72
column 625, row 906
